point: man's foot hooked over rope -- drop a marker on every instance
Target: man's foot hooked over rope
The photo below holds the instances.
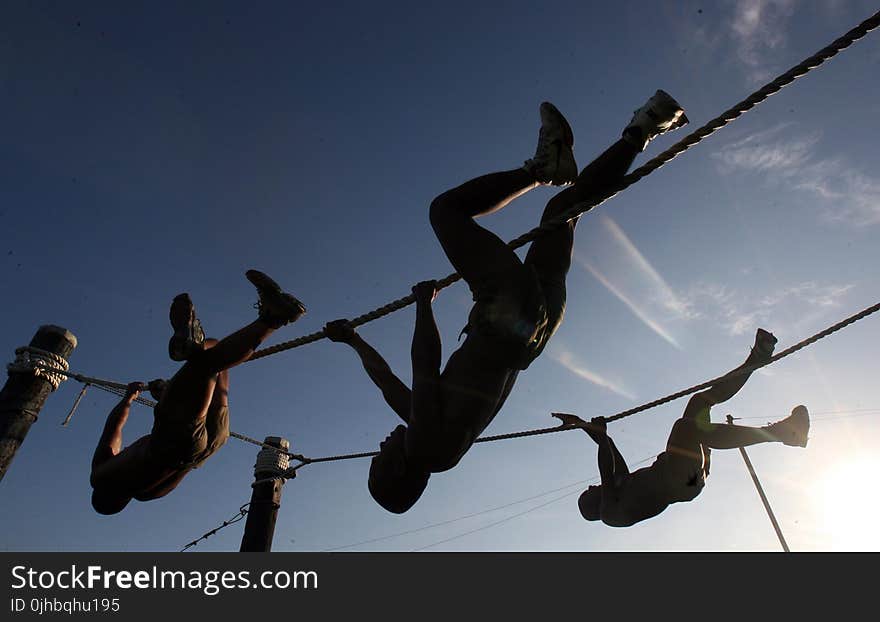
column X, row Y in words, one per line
column 277, row 308
column 765, row 342
column 659, row 115
column 554, row 162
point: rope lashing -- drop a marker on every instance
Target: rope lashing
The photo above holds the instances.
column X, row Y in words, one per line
column 273, row 464
column 678, row 148
column 39, row 362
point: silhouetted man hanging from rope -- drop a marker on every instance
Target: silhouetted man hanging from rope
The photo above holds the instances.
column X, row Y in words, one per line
column 191, row 418
column 679, row 473
column 518, row 305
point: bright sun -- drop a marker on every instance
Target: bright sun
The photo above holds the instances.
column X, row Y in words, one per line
column 851, row 504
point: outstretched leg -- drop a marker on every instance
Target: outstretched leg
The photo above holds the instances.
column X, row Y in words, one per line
column 695, row 428
column 192, row 387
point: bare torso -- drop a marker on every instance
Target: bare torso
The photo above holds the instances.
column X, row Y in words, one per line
column 471, row 394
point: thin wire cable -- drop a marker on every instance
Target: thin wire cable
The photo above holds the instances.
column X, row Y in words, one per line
column 518, row 514
column 242, row 512
column 771, row 88
column 814, row 415
column 455, row 520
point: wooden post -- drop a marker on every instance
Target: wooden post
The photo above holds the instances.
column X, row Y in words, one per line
column 270, row 472
column 28, row 386
column 761, row 494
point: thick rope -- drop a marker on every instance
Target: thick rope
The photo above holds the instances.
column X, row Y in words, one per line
column 663, row 400
column 39, row 362
column 114, row 387
column 683, row 145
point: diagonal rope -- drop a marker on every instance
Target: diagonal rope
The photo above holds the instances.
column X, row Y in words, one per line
column 115, row 387
column 663, row 400
column 771, row 88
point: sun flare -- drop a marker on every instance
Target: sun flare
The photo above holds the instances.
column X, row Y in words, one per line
column 850, row 504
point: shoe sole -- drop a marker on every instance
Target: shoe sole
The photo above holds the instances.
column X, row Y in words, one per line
column 567, row 143
column 568, row 133
column 261, row 280
column 266, row 284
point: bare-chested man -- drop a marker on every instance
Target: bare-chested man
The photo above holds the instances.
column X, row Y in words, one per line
column 191, row 419
column 518, row 305
column 679, row 473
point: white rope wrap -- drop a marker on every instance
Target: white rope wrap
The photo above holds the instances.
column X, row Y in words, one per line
column 273, row 463
column 42, row 363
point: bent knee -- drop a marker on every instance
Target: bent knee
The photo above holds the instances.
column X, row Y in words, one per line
column 441, row 209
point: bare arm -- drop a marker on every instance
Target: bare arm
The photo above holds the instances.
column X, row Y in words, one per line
column 110, row 443
column 425, row 352
column 395, row 392
column 612, row 466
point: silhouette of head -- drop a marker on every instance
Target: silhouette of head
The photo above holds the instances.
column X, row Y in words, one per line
column 395, row 483
column 590, row 503
column 106, row 503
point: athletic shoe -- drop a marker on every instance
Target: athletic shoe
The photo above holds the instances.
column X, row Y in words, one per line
column 764, row 343
column 554, row 162
column 188, row 334
column 792, row 430
column 276, row 307
column 659, row 115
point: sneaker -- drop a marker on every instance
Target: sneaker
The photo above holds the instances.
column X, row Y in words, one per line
column 188, row 334
column 276, row 307
column 793, row 429
column 660, row 114
column 554, row 162
column 764, row 343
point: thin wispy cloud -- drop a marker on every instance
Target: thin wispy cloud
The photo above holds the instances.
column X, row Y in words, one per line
column 569, row 361
column 758, row 29
column 849, row 195
column 666, row 296
column 738, row 313
column 640, row 313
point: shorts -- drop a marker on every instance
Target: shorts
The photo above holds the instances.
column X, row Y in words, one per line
column 187, row 444
column 682, row 477
column 510, row 314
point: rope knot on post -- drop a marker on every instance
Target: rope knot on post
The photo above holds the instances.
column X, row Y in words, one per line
column 273, row 463
column 42, row 363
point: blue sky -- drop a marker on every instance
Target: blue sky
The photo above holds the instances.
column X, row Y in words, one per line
column 152, row 149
